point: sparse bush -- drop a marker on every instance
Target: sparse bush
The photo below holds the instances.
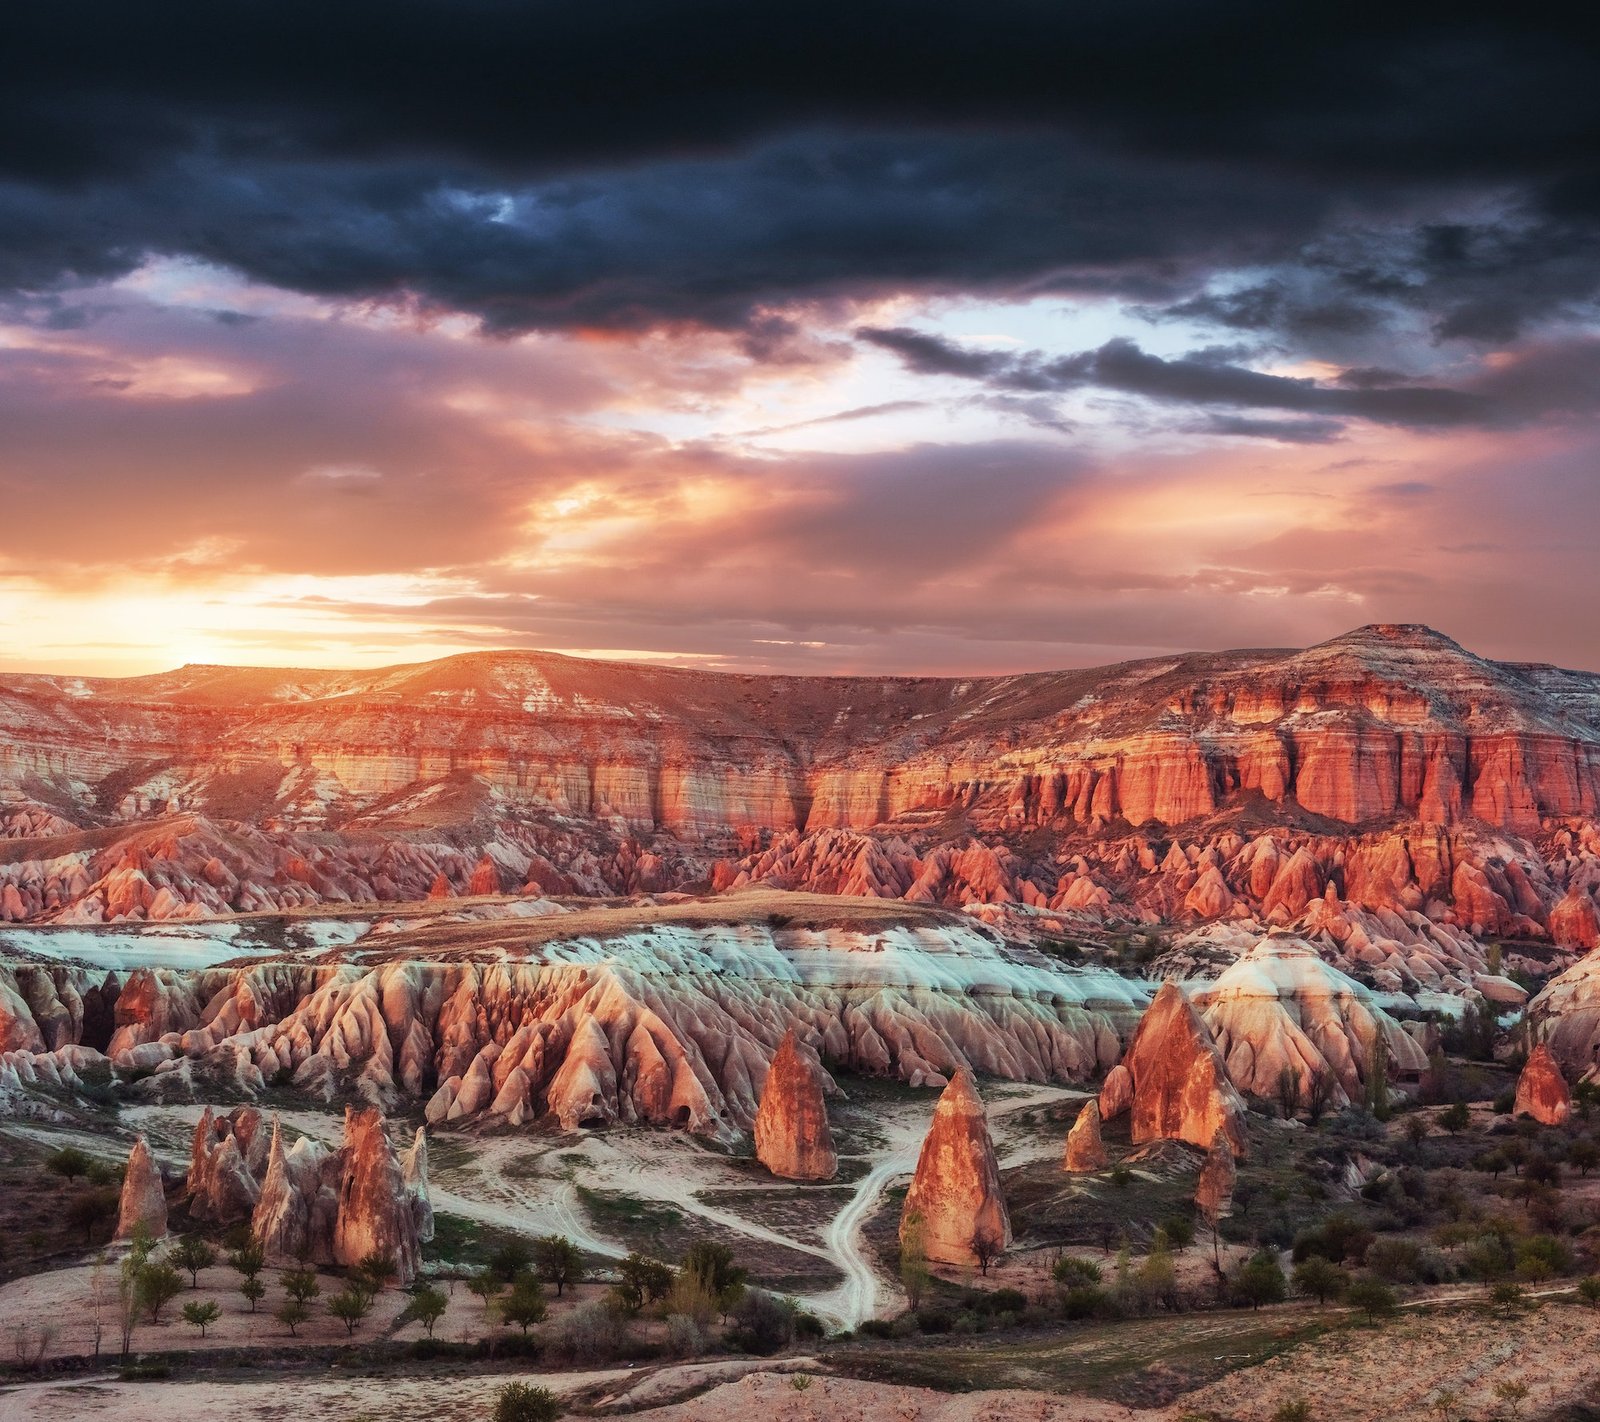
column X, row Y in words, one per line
column 1297, row 1410
column 350, row 1305
column 520, row 1402
column 69, row 1162
column 590, row 1333
column 761, row 1323
column 685, row 1339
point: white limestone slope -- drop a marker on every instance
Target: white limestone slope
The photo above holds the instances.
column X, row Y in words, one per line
column 1280, row 1008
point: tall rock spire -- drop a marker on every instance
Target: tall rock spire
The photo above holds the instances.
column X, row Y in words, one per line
column 792, row 1135
column 955, row 1202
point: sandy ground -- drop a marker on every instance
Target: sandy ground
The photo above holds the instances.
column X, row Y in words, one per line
column 1399, row 1371
column 63, row 1303
column 455, row 1398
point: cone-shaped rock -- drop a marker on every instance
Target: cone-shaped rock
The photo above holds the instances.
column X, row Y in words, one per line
column 1181, row 1089
column 414, row 1171
column 1542, row 1089
column 143, row 1206
column 792, row 1135
column 1085, row 1150
column 955, row 1195
column 1213, row 1192
column 375, row 1213
column 1116, row 1094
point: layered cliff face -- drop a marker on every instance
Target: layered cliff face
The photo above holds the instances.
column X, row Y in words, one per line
column 638, row 1014
column 215, row 790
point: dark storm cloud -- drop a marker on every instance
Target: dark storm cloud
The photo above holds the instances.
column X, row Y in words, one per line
column 556, row 164
column 1121, row 366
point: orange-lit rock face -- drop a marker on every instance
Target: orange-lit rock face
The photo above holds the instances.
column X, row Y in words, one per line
column 143, row 1205
column 1213, row 1191
column 1542, row 1090
column 1181, row 1089
column 955, row 1200
column 225, row 1163
column 1574, row 922
column 792, row 1136
column 375, row 1213
column 1085, row 1152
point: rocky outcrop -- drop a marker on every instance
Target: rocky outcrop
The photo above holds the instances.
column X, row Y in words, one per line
column 414, row 1176
column 1085, row 1152
column 1116, row 1093
column 1542, row 1090
column 1181, row 1089
column 226, row 1161
column 1566, row 1017
column 1213, row 1191
column 375, row 1213
column 142, row 1208
column 1575, row 921
column 299, row 1202
column 792, row 1137
column 955, row 1206
column 1281, row 1009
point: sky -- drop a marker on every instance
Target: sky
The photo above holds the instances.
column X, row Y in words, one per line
column 905, row 338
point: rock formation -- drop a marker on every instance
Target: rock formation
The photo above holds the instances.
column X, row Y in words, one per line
column 225, row 1163
column 414, row 1175
column 143, row 1205
column 1566, row 1017
column 1280, row 1009
column 298, row 1206
column 1085, row 1152
column 792, row 1137
column 1213, row 1191
column 1542, row 1090
column 1116, row 1093
column 565, row 776
column 955, row 1203
column 376, row 1215
column 1181, row 1089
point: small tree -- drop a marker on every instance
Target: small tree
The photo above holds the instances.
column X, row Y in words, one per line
column 1455, row 1117
column 90, row 1209
column 518, row 1402
column 1319, row 1094
column 1320, row 1278
column 376, row 1270
column 253, row 1290
column 1589, row 1290
column 1513, row 1394
column 301, row 1285
column 201, row 1315
column 248, row 1259
column 1378, row 1078
column 158, row 1285
column 128, row 1287
column 1373, row 1297
column 486, row 1286
column 558, row 1261
column 291, row 1313
column 193, row 1254
column 643, row 1280
column 1261, row 1280
column 524, row 1306
column 350, row 1305
column 69, row 1162
column 510, row 1259
column 914, row 1272
column 427, row 1307
column 986, row 1247
column 1288, row 1091
column 1583, row 1155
